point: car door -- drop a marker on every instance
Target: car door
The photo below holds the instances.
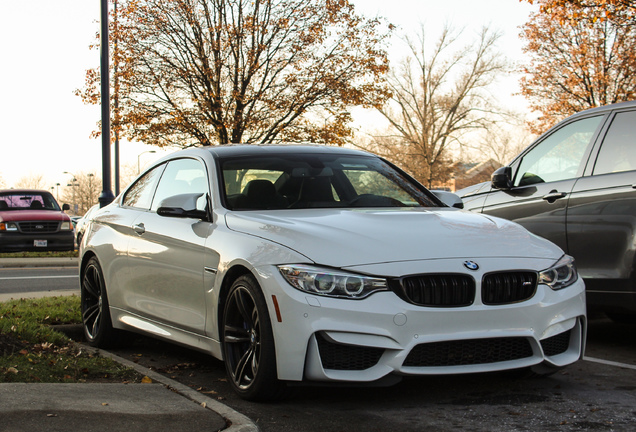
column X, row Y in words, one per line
column 543, row 178
column 166, row 254
column 115, row 222
column 601, row 218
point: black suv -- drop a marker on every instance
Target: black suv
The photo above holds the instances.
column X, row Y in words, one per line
column 576, row 186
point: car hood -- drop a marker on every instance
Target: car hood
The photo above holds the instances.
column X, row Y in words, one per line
column 32, row 215
column 474, row 189
column 343, row 238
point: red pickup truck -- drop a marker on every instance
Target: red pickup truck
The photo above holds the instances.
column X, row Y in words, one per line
column 31, row 220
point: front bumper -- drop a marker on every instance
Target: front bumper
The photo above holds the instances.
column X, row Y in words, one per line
column 327, row 339
column 20, row 242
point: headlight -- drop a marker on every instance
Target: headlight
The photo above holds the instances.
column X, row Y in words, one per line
column 8, row 226
column 332, row 283
column 561, row 275
column 66, row 226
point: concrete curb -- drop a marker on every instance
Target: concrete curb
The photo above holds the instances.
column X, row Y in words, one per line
column 237, row 422
column 38, row 294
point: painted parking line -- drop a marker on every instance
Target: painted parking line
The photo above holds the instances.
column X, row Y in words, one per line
column 609, row 362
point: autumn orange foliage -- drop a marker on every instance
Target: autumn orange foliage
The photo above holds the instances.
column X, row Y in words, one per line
column 590, row 10
column 207, row 72
column 581, row 56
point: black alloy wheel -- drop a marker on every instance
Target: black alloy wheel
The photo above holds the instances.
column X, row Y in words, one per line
column 96, row 320
column 248, row 343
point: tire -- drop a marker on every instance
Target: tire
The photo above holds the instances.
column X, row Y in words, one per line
column 96, row 320
column 248, row 343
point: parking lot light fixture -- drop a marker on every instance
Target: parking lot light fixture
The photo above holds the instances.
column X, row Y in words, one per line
column 74, row 183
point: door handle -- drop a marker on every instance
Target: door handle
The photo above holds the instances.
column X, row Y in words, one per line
column 553, row 196
column 139, row 228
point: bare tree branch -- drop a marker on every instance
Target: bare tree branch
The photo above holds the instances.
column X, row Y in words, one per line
column 437, row 98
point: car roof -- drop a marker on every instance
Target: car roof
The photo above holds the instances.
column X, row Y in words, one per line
column 598, row 110
column 229, row 150
column 239, row 150
column 620, row 105
column 24, row 191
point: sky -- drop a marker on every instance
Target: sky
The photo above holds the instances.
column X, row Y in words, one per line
column 45, row 129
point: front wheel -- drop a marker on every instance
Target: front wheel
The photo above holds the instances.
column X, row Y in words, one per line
column 98, row 327
column 248, row 343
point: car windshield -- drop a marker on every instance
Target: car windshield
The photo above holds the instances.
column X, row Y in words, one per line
column 316, row 181
column 28, row 201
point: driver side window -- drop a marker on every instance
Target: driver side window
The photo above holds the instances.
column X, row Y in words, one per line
column 182, row 176
column 139, row 195
column 559, row 156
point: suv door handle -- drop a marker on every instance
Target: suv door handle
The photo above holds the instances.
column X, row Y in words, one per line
column 139, row 228
column 553, row 196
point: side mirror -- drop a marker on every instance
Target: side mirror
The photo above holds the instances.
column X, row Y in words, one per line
column 502, row 178
column 449, row 198
column 178, row 212
column 181, row 206
column 65, row 207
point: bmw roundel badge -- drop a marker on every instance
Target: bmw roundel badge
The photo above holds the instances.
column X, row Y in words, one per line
column 471, row 265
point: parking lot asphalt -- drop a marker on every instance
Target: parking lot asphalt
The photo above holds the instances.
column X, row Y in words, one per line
column 163, row 405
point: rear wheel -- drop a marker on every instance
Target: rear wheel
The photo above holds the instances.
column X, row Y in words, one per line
column 98, row 328
column 248, row 343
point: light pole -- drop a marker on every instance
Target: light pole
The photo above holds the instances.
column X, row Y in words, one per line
column 73, row 184
column 138, row 159
column 91, row 201
column 116, row 88
column 324, row 129
column 106, row 196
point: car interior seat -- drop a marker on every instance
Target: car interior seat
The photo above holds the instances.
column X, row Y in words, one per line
column 261, row 194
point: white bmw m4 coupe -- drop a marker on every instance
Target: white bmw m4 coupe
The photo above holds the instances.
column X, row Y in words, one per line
column 301, row 264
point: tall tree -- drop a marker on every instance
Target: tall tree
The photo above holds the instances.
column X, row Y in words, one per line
column 82, row 192
column 586, row 10
column 577, row 64
column 437, row 98
column 205, row 72
column 31, row 181
column 501, row 142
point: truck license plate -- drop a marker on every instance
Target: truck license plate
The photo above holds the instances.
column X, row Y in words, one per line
column 39, row 243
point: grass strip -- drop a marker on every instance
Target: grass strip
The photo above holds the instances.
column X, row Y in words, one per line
column 68, row 254
column 32, row 351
